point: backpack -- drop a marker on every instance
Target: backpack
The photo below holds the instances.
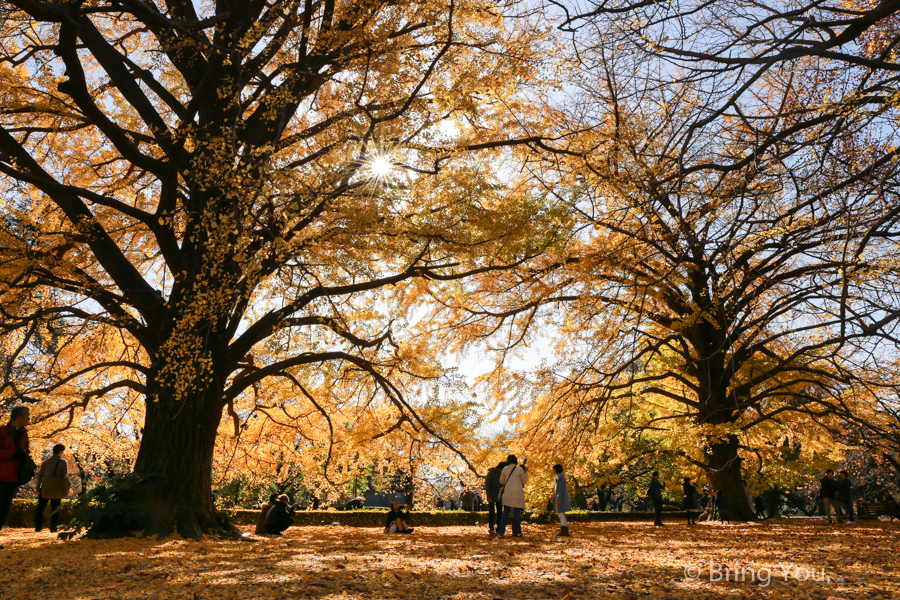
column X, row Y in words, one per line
column 55, row 488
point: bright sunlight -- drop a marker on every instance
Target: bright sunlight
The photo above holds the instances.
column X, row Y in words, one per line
column 381, row 166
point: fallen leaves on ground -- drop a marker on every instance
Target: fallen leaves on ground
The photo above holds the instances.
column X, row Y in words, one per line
column 627, row 561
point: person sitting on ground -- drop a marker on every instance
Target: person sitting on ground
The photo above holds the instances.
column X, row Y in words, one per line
column 397, row 519
column 356, row 503
column 280, row 516
column 264, row 510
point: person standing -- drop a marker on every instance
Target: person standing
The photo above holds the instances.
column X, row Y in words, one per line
column 561, row 500
column 492, row 495
column 13, row 449
column 655, row 493
column 720, row 506
column 749, row 493
column 467, row 499
column 829, row 492
column 691, row 503
column 55, row 466
column 845, row 496
column 512, row 481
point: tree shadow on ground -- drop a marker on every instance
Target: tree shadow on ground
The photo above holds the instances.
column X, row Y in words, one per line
column 603, row 560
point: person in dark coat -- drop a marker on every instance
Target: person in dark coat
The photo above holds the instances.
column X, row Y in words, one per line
column 720, row 506
column 397, row 520
column 263, row 512
column 829, row 495
column 492, row 495
column 355, row 504
column 888, row 499
column 655, row 493
column 11, row 435
column 845, row 496
column 691, row 504
column 467, row 499
column 561, row 501
column 280, row 516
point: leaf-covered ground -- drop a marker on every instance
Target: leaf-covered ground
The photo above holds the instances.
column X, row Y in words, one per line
column 602, row 560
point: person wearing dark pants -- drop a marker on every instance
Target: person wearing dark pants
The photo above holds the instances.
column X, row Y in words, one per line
column 655, row 493
column 13, row 448
column 55, row 466
column 845, row 496
column 720, row 504
column 513, row 479
column 828, row 493
column 492, row 495
column 691, row 506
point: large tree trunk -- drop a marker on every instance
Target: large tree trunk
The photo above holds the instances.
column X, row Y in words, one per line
column 724, row 474
column 176, row 453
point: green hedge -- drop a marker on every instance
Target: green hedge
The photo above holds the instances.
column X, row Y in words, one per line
column 22, row 515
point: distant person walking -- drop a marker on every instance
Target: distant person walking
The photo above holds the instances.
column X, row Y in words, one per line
column 13, row 449
column 845, row 496
column 720, row 506
column 829, row 494
column 691, row 501
column 512, row 495
column 561, row 502
column 53, row 473
column 655, row 493
column 492, row 495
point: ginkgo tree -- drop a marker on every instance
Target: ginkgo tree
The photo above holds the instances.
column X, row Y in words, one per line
column 200, row 198
column 732, row 275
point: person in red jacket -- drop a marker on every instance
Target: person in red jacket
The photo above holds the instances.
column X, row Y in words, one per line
column 10, row 434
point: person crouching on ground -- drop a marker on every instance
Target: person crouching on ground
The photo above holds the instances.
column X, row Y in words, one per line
column 280, row 516
column 561, row 500
column 263, row 512
column 397, row 520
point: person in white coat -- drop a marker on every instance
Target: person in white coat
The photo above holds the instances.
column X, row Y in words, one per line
column 512, row 484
